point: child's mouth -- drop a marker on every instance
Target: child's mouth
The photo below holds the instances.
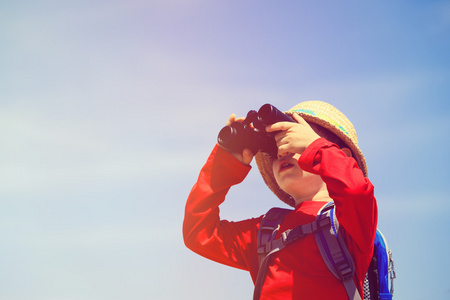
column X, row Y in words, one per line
column 285, row 166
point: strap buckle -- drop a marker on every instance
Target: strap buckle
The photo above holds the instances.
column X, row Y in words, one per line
column 391, row 270
column 301, row 231
column 291, row 235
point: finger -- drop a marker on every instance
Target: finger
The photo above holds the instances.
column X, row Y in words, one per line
column 299, row 119
column 279, row 126
column 282, row 152
column 247, row 153
column 286, row 155
column 231, row 120
column 285, row 150
column 247, row 156
column 280, row 138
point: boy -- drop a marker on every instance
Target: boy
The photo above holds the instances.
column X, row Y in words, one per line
column 318, row 161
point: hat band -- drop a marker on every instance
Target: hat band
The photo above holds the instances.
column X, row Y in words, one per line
column 323, row 117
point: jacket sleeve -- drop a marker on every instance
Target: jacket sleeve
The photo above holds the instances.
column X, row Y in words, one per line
column 353, row 194
column 229, row 243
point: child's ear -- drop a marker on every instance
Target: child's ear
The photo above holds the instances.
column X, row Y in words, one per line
column 347, row 152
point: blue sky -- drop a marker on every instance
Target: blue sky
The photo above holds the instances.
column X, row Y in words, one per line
column 108, row 110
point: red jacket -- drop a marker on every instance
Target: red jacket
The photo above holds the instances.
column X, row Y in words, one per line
column 298, row 271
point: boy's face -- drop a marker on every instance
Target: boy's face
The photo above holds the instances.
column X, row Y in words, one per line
column 293, row 180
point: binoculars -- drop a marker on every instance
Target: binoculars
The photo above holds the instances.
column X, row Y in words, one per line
column 239, row 136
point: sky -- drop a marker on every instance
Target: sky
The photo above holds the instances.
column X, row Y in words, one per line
column 108, row 110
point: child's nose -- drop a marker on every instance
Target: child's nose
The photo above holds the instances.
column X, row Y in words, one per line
column 287, row 155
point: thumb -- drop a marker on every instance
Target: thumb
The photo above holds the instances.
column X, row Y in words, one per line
column 231, row 120
column 247, row 156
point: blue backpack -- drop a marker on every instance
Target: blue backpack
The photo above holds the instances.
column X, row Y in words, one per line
column 378, row 284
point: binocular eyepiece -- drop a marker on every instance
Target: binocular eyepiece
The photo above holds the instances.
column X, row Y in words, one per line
column 239, row 136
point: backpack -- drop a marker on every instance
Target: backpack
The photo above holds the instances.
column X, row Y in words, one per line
column 333, row 249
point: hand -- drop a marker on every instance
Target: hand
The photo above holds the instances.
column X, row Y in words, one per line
column 293, row 137
column 246, row 156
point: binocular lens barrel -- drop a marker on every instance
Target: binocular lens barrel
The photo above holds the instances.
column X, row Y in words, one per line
column 226, row 134
column 269, row 114
column 240, row 135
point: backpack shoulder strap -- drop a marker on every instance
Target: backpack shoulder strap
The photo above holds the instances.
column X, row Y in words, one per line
column 268, row 229
column 335, row 253
column 267, row 245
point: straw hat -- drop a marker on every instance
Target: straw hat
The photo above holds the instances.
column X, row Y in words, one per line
column 326, row 116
